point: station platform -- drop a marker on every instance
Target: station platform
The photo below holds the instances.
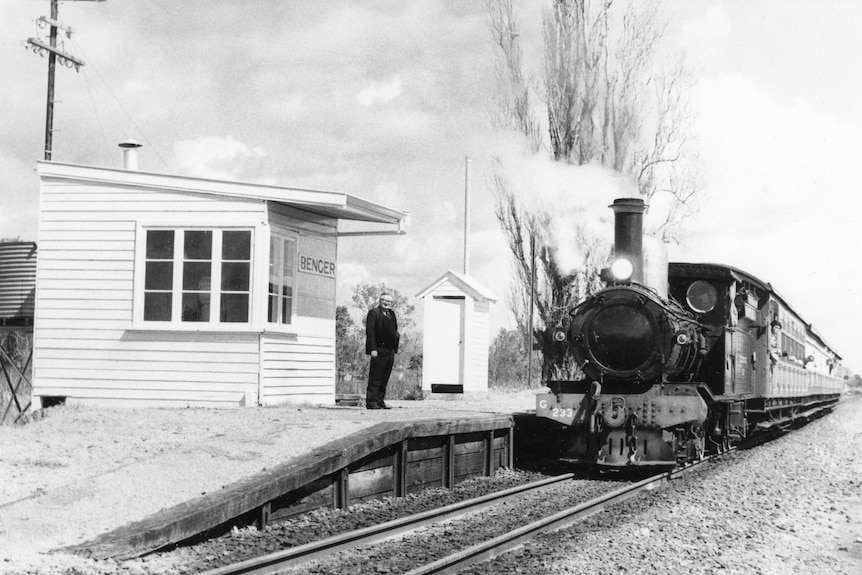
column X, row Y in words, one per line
column 116, row 483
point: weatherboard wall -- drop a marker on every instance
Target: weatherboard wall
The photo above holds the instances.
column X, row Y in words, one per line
column 298, row 365
column 91, row 345
column 477, row 354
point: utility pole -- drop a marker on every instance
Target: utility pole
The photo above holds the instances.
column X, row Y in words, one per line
column 467, row 216
column 54, row 53
column 532, row 309
column 52, row 66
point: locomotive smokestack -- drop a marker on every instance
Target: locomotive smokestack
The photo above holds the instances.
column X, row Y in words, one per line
column 628, row 233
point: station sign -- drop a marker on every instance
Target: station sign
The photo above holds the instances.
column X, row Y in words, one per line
column 317, row 266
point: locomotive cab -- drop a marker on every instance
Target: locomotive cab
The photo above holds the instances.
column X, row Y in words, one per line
column 733, row 307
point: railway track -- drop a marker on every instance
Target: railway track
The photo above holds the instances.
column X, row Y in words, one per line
column 293, row 557
column 497, row 546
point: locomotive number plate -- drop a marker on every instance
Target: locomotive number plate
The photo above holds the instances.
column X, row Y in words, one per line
column 564, row 415
column 548, row 406
column 563, row 412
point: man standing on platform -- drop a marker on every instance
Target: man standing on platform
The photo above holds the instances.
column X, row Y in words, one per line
column 381, row 343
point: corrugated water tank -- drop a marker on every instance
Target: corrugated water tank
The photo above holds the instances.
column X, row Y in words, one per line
column 17, row 282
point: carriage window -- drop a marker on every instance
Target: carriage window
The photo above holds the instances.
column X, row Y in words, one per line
column 701, row 296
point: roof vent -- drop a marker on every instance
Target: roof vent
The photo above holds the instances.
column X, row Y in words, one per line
column 130, row 154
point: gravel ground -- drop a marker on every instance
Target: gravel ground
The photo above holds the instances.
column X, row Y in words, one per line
column 73, row 472
column 792, row 506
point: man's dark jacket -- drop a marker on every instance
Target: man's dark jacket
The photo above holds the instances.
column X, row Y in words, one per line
column 381, row 330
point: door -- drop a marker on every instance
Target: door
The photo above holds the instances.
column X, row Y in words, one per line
column 447, row 335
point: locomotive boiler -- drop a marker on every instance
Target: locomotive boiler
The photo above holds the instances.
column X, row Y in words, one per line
column 668, row 377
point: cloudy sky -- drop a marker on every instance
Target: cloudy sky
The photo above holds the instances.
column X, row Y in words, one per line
column 384, row 99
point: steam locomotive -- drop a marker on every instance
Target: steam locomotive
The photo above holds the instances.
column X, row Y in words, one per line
column 693, row 363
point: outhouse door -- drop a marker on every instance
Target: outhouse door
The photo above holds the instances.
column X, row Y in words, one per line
column 448, row 342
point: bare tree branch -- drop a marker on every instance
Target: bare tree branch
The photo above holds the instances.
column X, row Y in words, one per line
column 606, row 102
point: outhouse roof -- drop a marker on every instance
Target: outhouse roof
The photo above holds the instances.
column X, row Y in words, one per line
column 326, row 203
column 463, row 282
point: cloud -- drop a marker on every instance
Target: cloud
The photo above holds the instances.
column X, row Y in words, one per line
column 706, row 37
column 288, row 107
column 350, row 274
column 380, row 92
column 772, row 158
column 19, row 198
column 388, row 193
column 214, row 156
column 781, row 204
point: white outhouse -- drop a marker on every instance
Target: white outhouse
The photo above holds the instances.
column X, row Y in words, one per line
column 155, row 289
column 456, row 335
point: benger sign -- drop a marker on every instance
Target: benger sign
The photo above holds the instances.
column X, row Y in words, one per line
column 317, row 266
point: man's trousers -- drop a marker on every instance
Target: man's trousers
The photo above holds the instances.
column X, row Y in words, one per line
column 378, row 376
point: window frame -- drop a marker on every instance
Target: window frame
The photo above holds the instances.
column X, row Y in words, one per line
column 792, row 337
column 177, row 289
column 283, row 237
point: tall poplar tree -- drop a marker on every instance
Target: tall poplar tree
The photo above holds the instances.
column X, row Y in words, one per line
column 602, row 97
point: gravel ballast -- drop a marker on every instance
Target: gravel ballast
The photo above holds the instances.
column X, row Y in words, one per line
column 790, row 506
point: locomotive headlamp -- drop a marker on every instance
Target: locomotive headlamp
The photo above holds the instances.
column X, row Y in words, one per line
column 622, row 270
column 559, row 335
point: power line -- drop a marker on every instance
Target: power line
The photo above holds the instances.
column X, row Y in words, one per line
column 125, row 111
column 54, row 54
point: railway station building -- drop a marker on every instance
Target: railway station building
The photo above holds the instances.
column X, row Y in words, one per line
column 162, row 290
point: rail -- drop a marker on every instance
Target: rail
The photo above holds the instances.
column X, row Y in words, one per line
column 274, row 562
column 293, row 557
column 508, row 541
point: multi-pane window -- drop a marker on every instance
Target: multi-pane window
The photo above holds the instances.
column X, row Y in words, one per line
column 197, row 274
column 792, row 338
column 235, row 276
column 282, row 259
column 792, row 346
column 201, row 276
column 159, row 275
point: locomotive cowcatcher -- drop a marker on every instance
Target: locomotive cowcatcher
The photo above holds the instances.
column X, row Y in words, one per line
column 684, row 367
